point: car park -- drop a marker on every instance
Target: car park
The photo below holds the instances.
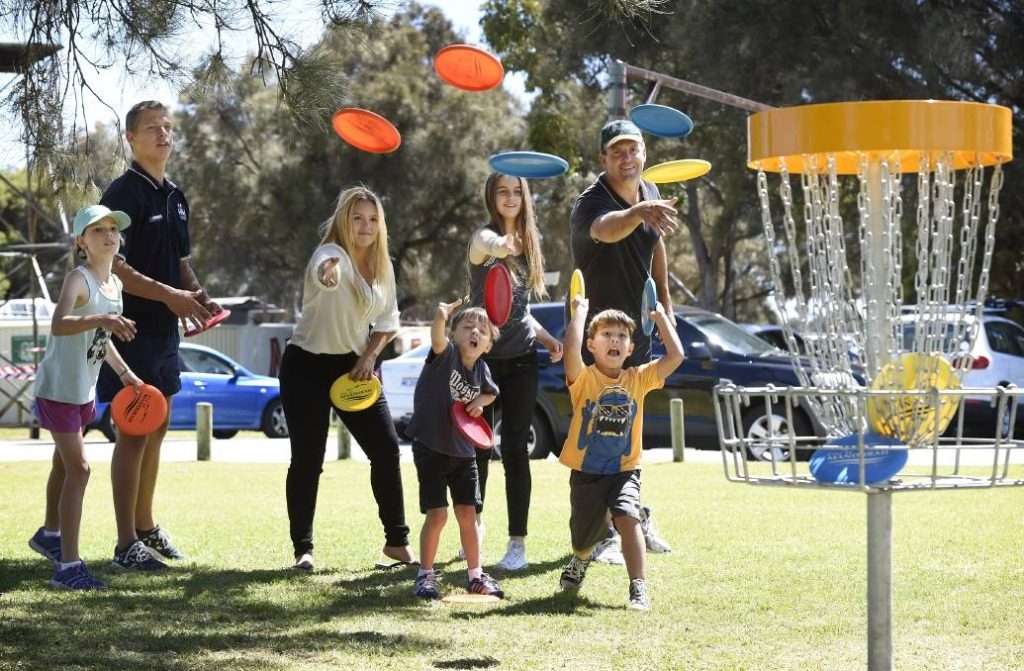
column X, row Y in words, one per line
column 716, row 349
column 241, row 399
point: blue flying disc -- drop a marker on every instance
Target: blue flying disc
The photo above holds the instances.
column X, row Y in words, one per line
column 661, row 120
column 838, row 461
column 528, row 164
column 648, row 303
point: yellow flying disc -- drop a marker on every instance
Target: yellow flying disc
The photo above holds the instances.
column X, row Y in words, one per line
column 912, row 419
column 676, row 171
column 353, row 395
column 576, row 288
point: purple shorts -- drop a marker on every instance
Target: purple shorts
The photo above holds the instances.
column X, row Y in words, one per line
column 64, row 417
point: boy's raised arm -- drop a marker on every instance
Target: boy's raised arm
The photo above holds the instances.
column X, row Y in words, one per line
column 571, row 353
column 439, row 327
column 673, row 348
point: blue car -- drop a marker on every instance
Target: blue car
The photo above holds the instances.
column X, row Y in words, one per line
column 241, row 399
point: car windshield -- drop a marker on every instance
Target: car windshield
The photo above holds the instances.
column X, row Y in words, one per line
column 947, row 331
column 728, row 336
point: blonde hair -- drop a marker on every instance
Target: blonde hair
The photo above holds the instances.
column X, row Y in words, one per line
column 526, row 226
column 610, row 318
column 338, row 230
column 476, row 314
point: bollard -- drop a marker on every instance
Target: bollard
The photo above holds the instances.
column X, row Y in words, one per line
column 204, row 430
column 344, row 441
column 678, row 438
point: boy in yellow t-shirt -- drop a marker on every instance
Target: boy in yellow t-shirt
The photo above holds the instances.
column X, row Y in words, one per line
column 604, row 442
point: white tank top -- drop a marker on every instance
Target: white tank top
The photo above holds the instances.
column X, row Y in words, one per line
column 72, row 363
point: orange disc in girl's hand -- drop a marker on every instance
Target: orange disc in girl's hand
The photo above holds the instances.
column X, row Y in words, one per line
column 468, row 68
column 138, row 412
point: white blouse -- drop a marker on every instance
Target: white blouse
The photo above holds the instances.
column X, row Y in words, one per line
column 338, row 319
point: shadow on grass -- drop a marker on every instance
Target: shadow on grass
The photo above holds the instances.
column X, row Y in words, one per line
column 198, row 616
column 475, row 663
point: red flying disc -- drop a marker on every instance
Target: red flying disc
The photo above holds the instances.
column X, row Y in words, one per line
column 468, row 68
column 366, row 131
column 474, row 429
column 498, row 294
column 210, row 323
column 138, row 412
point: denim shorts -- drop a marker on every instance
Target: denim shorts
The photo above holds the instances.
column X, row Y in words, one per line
column 62, row 417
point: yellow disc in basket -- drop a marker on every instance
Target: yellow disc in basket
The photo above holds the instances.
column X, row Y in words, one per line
column 576, row 288
column 353, row 395
column 676, row 171
column 912, row 418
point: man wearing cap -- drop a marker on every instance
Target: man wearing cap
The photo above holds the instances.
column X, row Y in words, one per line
column 160, row 289
column 617, row 229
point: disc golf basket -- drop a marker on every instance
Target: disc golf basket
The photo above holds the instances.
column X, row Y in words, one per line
column 888, row 334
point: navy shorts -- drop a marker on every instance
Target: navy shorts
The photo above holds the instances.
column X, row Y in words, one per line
column 152, row 358
column 439, row 472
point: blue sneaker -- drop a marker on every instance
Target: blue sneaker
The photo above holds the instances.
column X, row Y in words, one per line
column 48, row 546
column 76, row 576
column 138, row 557
column 428, row 585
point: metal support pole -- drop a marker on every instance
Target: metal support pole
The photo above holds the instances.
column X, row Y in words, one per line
column 678, row 437
column 204, row 430
column 616, row 90
column 880, row 581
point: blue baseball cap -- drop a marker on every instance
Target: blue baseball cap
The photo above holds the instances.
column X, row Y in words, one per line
column 619, row 129
column 91, row 214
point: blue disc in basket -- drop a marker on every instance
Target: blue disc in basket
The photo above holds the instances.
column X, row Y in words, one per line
column 661, row 120
column 838, row 461
column 528, row 164
column 648, row 303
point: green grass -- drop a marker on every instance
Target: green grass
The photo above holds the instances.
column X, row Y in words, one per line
column 760, row 578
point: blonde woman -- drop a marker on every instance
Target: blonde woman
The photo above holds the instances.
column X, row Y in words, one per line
column 349, row 313
column 511, row 237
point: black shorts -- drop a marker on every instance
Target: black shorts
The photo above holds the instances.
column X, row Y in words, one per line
column 439, row 472
column 152, row 358
column 592, row 495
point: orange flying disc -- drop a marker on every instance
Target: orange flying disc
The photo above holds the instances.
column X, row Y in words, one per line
column 468, row 68
column 138, row 412
column 366, row 131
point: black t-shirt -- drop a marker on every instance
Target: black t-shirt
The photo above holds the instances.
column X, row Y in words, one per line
column 155, row 243
column 614, row 272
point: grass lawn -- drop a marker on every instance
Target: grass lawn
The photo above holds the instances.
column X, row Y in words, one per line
column 760, row 578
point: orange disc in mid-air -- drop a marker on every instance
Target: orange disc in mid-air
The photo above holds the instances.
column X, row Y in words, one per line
column 468, row 68
column 366, row 130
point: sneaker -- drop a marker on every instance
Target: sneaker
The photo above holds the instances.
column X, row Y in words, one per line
column 485, row 584
column 159, row 541
column 428, row 585
column 75, row 576
column 655, row 543
column 574, row 573
column 48, row 546
column 303, row 563
column 480, row 529
column 638, row 599
column 609, row 551
column 515, row 557
column 137, row 557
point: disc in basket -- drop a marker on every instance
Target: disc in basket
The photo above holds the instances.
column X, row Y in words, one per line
column 661, row 120
column 474, row 429
column 138, row 412
column 912, row 419
column 838, row 461
column 676, row 171
column 468, row 68
column 528, row 164
column 498, row 294
column 366, row 130
column 576, row 288
column 210, row 323
column 354, row 395
column 648, row 302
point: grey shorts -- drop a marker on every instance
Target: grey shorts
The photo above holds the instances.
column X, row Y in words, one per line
column 592, row 496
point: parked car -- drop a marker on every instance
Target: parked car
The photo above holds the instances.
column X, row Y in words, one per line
column 775, row 335
column 997, row 359
column 241, row 399
column 716, row 349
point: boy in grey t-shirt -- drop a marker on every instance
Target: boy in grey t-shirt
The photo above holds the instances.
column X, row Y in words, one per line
column 444, row 458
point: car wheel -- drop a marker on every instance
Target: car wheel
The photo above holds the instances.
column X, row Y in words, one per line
column 758, row 425
column 224, row 434
column 274, row 424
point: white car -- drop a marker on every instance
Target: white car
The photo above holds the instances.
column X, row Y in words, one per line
column 398, row 378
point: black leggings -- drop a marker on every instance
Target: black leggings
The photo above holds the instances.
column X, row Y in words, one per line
column 517, row 381
column 306, row 380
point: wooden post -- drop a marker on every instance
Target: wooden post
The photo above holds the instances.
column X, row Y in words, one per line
column 344, row 439
column 204, row 430
column 678, row 437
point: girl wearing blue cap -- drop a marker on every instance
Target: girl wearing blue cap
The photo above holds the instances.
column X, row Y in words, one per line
column 87, row 313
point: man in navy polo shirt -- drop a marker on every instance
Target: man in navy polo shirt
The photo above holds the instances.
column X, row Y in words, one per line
column 160, row 289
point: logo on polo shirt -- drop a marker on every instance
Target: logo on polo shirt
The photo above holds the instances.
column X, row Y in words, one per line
column 181, row 212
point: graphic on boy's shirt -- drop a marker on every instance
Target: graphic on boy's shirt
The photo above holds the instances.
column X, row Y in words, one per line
column 98, row 349
column 606, row 430
column 461, row 389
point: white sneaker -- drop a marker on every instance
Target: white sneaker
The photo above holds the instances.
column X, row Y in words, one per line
column 655, row 543
column 609, row 551
column 515, row 557
column 480, row 529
